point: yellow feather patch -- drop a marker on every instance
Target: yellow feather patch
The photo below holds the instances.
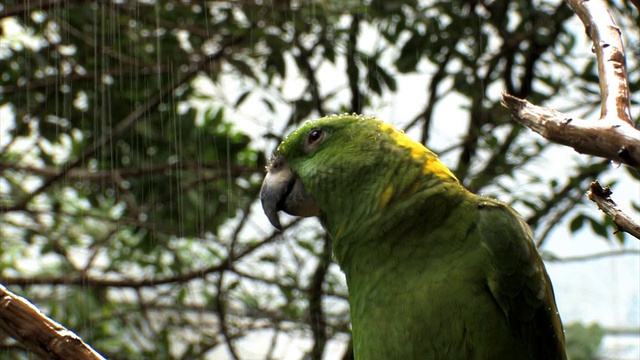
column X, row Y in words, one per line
column 417, row 149
column 434, row 166
column 431, row 163
column 340, row 229
column 410, row 190
column 385, row 197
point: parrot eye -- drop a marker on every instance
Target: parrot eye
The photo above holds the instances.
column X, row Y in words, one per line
column 314, row 138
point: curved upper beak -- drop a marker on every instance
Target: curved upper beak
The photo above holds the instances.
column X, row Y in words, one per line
column 283, row 190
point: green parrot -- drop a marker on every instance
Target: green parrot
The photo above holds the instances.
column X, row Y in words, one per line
column 433, row 270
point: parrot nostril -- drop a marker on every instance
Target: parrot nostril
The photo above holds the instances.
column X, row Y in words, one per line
column 274, row 163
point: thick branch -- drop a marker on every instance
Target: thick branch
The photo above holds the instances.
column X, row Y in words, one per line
column 612, row 69
column 39, row 334
column 609, row 137
column 602, row 197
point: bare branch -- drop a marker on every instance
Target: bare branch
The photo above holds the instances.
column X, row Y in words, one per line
column 317, row 320
column 612, row 68
column 433, row 96
column 221, row 308
column 622, row 331
column 313, row 86
column 135, row 283
column 357, row 98
column 220, row 170
column 38, row 333
column 609, row 138
column 602, row 197
column 550, row 257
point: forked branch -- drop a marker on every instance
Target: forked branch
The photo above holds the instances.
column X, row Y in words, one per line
column 613, row 135
column 609, row 50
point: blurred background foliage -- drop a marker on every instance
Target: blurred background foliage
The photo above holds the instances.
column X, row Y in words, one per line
column 134, row 137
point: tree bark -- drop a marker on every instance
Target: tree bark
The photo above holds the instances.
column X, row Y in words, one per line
column 602, row 197
column 39, row 334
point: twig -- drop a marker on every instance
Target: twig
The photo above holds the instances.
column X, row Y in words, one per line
column 609, row 138
column 221, row 308
column 313, row 86
column 602, row 197
column 550, row 257
column 433, row 96
column 38, row 333
column 357, row 98
column 622, row 331
column 571, row 192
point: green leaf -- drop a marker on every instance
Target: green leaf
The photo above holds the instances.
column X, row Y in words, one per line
column 410, row 53
column 275, row 64
column 269, row 104
column 598, row 227
column 243, row 67
column 242, row 98
column 577, row 223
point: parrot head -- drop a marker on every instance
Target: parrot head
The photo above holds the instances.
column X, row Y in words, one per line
column 346, row 170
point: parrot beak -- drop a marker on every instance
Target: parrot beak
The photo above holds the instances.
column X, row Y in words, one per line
column 283, row 190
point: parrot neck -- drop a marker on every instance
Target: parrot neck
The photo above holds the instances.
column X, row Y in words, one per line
column 420, row 206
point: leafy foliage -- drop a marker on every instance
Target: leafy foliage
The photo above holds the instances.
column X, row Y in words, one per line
column 135, row 133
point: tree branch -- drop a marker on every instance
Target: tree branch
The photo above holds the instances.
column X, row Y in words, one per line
column 602, row 197
column 562, row 198
column 612, row 68
column 310, row 73
column 221, row 308
column 357, row 99
column 38, row 333
column 432, row 98
column 317, row 320
column 551, row 257
column 609, row 138
column 219, row 169
column 136, row 283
